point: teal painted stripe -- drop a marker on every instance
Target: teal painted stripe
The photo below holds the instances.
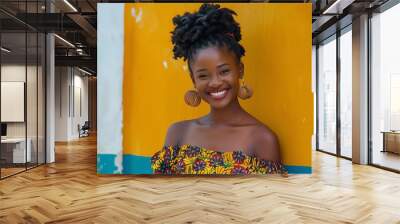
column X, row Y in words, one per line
column 137, row 165
column 106, row 164
column 133, row 164
column 299, row 169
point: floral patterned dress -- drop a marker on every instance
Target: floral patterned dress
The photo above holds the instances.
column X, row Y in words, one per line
column 188, row 159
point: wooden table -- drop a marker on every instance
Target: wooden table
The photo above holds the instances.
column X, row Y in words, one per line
column 391, row 141
column 13, row 150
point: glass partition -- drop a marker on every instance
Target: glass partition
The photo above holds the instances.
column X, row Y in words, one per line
column 22, row 77
column 327, row 95
column 14, row 153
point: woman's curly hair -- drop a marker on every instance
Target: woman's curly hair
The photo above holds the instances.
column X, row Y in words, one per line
column 210, row 26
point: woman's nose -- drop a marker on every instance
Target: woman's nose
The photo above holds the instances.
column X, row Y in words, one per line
column 215, row 81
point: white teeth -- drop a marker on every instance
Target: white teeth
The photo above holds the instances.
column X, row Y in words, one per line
column 218, row 93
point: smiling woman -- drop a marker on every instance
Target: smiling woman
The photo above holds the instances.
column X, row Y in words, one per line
column 227, row 140
column 176, row 102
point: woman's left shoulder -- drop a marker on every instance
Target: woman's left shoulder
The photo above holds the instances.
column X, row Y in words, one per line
column 263, row 134
column 265, row 142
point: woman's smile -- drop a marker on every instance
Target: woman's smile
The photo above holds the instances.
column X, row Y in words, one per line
column 219, row 95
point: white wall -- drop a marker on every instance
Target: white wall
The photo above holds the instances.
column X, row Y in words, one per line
column 33, row 127
column 62, row 81
column 80, row 84
column 70, row 84
column 12, row 73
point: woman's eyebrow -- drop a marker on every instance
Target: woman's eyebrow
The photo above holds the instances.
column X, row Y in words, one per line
column 222, row 65
column 201, row 70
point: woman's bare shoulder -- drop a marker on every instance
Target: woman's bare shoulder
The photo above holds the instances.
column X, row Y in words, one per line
column 180, row 125
column 265, row 142
column 175, row 132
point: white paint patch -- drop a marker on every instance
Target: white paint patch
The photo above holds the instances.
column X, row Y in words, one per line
column 313, row 142
column 118, row 162
column 110, row 44
column 133, row 12
column 137, row 14
column 165, row 64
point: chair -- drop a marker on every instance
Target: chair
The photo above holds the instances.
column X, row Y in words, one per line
column 84, row 130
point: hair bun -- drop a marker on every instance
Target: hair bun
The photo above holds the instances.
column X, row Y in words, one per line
column 209, row 21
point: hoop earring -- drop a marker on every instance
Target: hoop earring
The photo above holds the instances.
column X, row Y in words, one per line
column 245, row 92
column 192, row 98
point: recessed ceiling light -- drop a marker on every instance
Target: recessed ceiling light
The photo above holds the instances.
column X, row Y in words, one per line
column 84, row 71
column 337, row 7
column 70, row 5
column 64, row 40
column 5, row 50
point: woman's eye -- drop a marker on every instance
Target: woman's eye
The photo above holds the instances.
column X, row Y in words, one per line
column 224, row 72
column 203, row 76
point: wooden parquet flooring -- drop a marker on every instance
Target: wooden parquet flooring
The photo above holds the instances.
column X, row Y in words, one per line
column 10, row 171
column 70, row 191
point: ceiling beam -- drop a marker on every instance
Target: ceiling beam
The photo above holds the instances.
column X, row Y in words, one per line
column 84, row 24
column 83, row 61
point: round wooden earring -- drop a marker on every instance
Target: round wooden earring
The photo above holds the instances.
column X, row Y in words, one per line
column 245, row 92
column 192, row 98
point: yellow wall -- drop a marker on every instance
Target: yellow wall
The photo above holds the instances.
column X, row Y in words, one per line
column 277, row 39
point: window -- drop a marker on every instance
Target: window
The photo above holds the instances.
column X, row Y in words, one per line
column 385, row 89
column 327, row 95
column 346, row 93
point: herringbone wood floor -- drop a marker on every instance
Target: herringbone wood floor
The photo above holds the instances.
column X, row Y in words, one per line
column 69, row 191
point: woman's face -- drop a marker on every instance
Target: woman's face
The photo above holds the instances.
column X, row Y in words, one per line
column 215, row 74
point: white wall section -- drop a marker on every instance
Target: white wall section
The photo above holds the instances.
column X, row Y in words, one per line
column 110, row 75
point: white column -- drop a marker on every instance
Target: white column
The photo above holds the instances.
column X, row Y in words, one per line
column 360, row 90
column 50, row 92
column 50, row 110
